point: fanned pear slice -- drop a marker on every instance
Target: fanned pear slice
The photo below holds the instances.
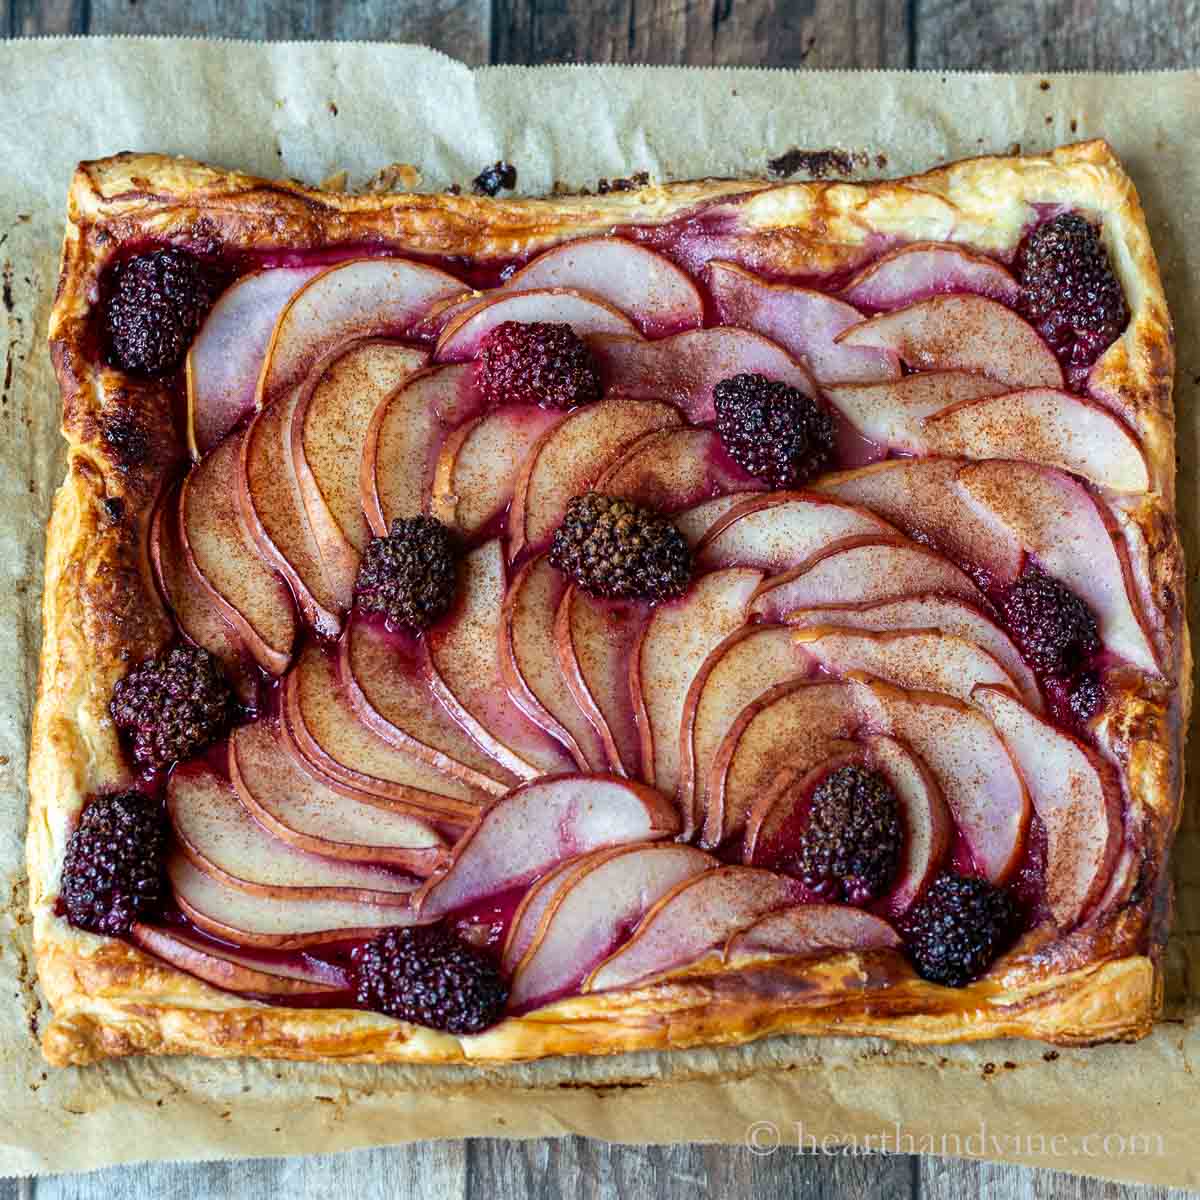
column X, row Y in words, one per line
column 529, row 662
column 478, row 464
column 923, row 269
column 587, row 919
column 693, row 921
column 806, row 323
column 526, row 925
column 537, row 826
column 329, row 431
column 252, row 598
column 961, row 332
column 299, row 808
column 326, row 732
column 365, row 297
column 675, row 642
column 226, row 359
column 571, row 457
column 809, row 930
column 216, row 831
column 404, row 438
column 695, row 522
column 586, row 314
column 685, row 368
column 272, row 922
column 1074, row 794
column 464, row 671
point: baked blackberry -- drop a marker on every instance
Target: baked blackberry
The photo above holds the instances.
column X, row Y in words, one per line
column 536, row 363
column 172, row 706
column 1055, row 630
column 959, row 928
column 113, row 870
column 411, row 575
column 1085, row 696
column 775, row 431
column 1069, row 292
column 619, row 550
column 429, row 976
column 850, row 849
column 489, row 181
column 156, row 304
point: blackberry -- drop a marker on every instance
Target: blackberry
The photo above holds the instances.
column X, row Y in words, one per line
column 619, row 550
column 411, row 575
column 1085, row 696
column 1054, row 628
column 850, row 849
column 959, row 928
column 113, row 871
column 775, row 431
column 489, row 181
column 156, row 304
column 536, row 363
column 429, row 976
column 172, row 706
column 1069, row 292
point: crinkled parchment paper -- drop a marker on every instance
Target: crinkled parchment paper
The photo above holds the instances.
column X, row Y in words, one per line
column 310, row 110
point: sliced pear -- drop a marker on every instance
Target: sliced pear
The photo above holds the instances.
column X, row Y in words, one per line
column 464, row 672
column 809, row 930
column 685, row 368
column 698, row 520
column 693, row 921
column 526, row 925
column 923, row 269
column 966, row 333
column 806, row 323
column 537, row 826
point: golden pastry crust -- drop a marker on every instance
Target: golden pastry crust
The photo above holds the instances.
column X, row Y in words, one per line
column 101, row 611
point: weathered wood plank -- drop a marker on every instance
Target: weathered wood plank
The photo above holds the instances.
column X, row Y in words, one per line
column 1058, row 35
column 30, row 18
column 768, row 33
column 954, row 1179
column 16, row 1189
column 430, row 1170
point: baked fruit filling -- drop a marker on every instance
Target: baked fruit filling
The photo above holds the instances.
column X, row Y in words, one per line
column 628, row 615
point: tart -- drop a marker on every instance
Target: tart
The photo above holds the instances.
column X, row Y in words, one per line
column 483, row 629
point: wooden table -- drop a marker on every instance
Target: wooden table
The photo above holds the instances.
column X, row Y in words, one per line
column 985, row 34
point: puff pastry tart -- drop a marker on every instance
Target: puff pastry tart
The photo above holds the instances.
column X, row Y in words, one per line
column 483, row 629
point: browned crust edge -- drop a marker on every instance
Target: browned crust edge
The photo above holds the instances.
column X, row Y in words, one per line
column 101, row 611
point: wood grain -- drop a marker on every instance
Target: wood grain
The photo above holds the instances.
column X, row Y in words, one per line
column 980, row 34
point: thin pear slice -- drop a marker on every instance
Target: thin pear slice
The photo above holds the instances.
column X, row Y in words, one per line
column 1074, row 794
column 969, row 761
column 963, row 333
column 685, row 368
column 585, row 314
column 529, row 662
column 406, row 432
column 781, row 531
column 234, row 972
column 595, row 640
column 675, row 642
column 923, row 269
column 537, row 826
column 587, row 919
column 365, row 297
column 525, row 927
column 693, row 921
column 273, row 922
column 386, row 680
column 478, row 465
column 252, row 598
column 330, row 425
column 675, row 469
column 324, row 729
column 806, row 323
column 297, row 807
column 695, row 522
column 810, row 930
column 197, row 612
column 570, row 458
column 928, row 611
column 464, row 671
column 216, row 831
column 226, row 359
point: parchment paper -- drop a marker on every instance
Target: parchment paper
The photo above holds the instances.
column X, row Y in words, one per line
column 308, row 110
